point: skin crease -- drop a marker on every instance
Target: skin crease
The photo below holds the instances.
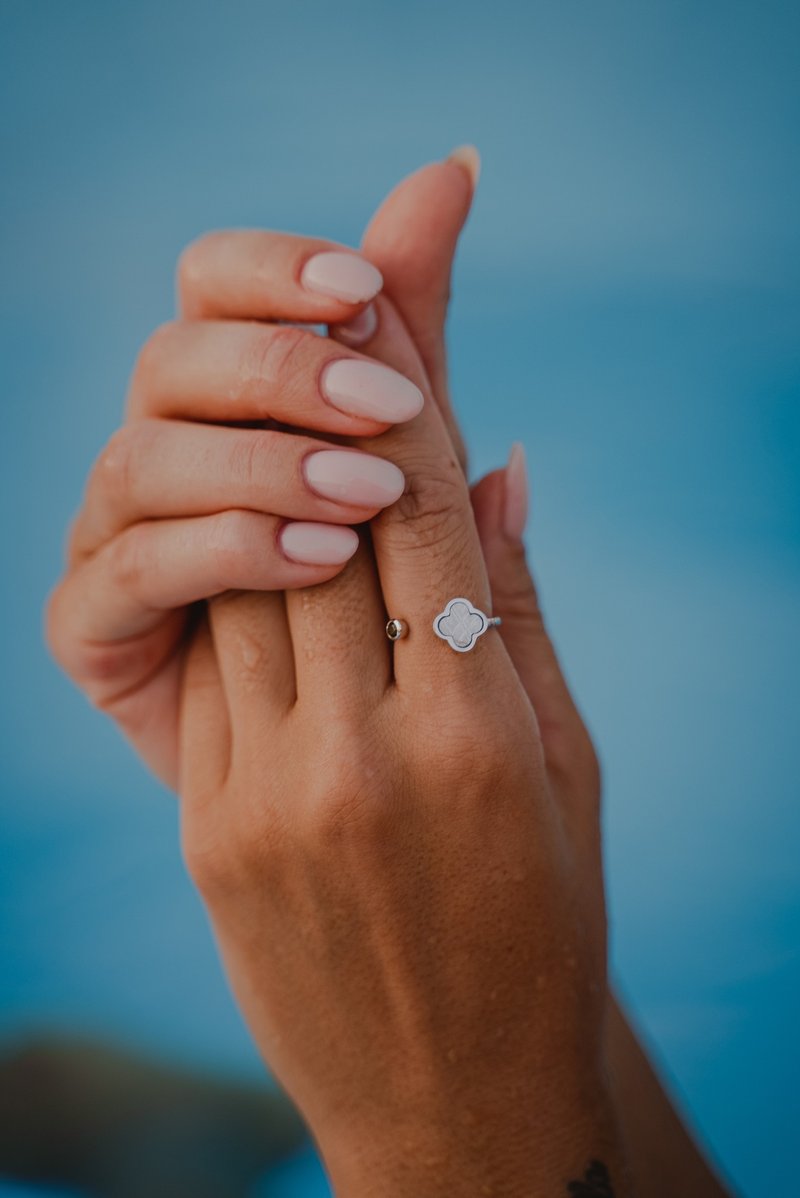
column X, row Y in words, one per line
column 421, row 294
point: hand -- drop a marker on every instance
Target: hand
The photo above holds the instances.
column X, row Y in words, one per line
column 181, row 506
column 430, row 208
column 375, row 833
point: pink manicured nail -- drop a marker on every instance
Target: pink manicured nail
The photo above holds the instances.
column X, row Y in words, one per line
column 344, row 276
column 515, row 512
column 351, row 477
column 369, row 389
column 360, row 329
column 318, row 544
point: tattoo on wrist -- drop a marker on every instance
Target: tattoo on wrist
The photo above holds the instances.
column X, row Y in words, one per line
column 596, row 1183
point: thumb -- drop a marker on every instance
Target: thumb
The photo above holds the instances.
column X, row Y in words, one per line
column 412, row 239
column 500, row 504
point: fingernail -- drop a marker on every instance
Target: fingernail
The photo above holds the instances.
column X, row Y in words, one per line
column 318, row 544
column 344, row 276
column 468, row 158
column 347, row 476
column 360, row 329
column 369, row 389
column 515, row 511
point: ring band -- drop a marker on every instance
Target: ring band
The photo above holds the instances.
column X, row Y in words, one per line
column 460, row 624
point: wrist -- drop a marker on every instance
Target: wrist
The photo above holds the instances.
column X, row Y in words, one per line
column 530, row 1141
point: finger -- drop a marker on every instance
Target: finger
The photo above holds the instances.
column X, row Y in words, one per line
column 131, row 584
column 254, row 650
column 253, row 274
column 500, row 502
column 168, row 468
column 413, row 238
column 426, row 546
column 223, row 373
column 116, row 674
column 204, row 737
column 429, row 551
column 342, row 657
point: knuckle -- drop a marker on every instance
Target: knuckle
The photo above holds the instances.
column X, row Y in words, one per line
column 471, row 743
column 271, row 359
column 112, row 467
column 275, row 354
column 95, row 667
column 430, row 510
column 225, row 854
column 116, row 470
column 190, row 266
column 349, row 796
column 252, row 460
column 101, row 675
column 127, row 558
column 154, row 353
column 230, row 542
column 451, row 749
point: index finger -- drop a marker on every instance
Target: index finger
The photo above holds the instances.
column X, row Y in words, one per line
column 256, row 275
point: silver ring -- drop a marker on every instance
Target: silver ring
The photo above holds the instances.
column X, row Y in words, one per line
column 461, row 623
column 396, row 629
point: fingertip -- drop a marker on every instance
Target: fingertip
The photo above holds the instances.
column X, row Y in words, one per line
column 360, row 480
column 307, row 543
column 488, row 496
column 368, row 389
column 515, row 511
column 469, row 159
column 358, row 331
column 341, row 275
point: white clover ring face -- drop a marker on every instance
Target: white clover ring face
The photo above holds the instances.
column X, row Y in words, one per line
column 460, row 624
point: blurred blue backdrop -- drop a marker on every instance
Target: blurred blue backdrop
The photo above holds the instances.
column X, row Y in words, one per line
column 627, row 303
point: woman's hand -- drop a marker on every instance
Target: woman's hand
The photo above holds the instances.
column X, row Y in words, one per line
column 139, row 679
column 430, row 208
column 181, row 506
column 375, row 833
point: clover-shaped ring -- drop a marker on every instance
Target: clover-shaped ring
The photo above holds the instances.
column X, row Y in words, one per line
column 461, row 623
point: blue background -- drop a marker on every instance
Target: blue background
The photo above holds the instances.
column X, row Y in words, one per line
column 627, row 302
